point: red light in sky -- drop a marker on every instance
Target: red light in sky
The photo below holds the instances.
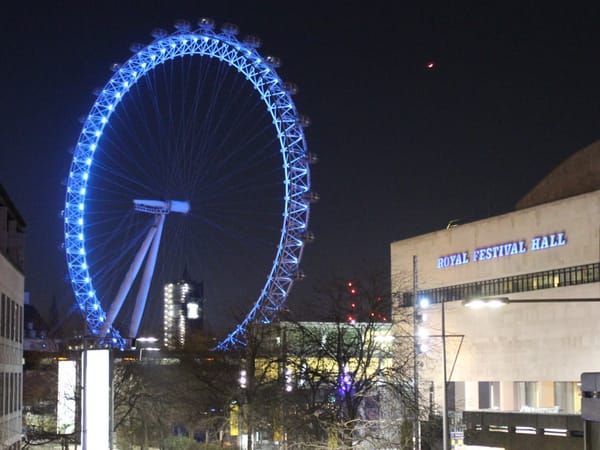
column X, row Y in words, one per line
column 430, row 65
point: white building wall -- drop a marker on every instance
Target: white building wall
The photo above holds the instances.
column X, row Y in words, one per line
column 12, row 286
column 578, row 217
column 531, row 342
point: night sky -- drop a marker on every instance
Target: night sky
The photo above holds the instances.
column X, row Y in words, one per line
column 404, row 148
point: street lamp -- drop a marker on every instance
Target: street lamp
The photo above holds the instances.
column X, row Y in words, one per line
column 423, row 304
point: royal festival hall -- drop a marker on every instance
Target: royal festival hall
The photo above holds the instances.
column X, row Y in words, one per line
column 512, row 304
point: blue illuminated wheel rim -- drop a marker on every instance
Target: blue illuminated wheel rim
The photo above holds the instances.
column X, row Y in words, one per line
column 224, row 47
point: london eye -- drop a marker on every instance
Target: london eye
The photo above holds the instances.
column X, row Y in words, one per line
column 193, row 158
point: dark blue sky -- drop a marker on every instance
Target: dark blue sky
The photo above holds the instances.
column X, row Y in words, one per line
column 403, row 149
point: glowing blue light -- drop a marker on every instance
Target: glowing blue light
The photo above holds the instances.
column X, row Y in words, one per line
column 265, row 80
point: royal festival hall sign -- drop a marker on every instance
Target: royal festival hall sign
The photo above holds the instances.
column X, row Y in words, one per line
column 504, row 249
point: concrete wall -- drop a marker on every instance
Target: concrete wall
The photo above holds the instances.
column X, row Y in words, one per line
column 12, row 285
column 577, row 217
column 538, row 342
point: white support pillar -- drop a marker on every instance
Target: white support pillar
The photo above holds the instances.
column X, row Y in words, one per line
column 471, row 395
column 507, row 396
column 96, row 404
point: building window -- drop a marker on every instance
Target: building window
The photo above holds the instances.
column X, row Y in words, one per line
column 567, row 276
column 489, row 395
column 2, row 394
column 456, row 396
column 3, row 316
column 526, row 394
column 567, row 396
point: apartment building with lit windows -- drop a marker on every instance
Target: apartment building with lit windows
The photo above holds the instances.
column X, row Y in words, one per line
column 183, row 311
column 12, row 287
column 541, row 263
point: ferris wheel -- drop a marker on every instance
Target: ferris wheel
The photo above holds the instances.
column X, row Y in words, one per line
column 192, row 159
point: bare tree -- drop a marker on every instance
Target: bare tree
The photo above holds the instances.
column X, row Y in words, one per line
column 344, row 382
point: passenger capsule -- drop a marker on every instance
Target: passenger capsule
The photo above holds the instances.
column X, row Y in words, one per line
column 206, row 23
column 136, row 47
column 252, row 41
column 311, row 197
column 308, row 237
column 299, row 275
column 304, row 121
column 290, row 88
column 229, row 29
column 182, row 25
column 159, row 33
column 114, row 67
column 273, row 61
column 311, row 158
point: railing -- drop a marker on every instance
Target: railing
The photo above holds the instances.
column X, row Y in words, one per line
column 523, row 430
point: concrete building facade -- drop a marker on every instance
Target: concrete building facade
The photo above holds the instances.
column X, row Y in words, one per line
column 542, row 262
column 12, row 288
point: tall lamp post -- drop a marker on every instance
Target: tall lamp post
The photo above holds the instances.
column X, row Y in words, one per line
column 424, row 304
column 445, row 380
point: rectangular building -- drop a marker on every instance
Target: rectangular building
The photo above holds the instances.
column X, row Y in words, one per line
column 543, row 264
column 12, row 288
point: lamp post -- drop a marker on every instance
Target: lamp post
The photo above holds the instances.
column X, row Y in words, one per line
column 445, row 380
column 423, row 303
